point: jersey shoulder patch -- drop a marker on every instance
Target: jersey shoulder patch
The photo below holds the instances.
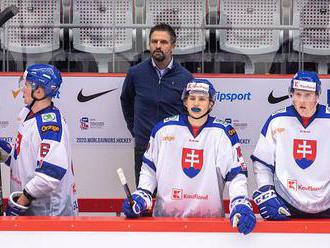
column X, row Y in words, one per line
column 172, row 118
column 218, row 121
column 327, row 110
column 280, row 111
column 49, row 124
column 49, row 117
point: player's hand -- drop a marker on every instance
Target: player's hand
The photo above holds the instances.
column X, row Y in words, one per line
column 13, row 208
column 271, row 207
column 241, row 215
column 5, row 149
column 142, row 201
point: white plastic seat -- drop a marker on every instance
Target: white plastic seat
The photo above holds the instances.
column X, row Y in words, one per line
column 32, row 39
column 102, row 41
column 313, row 42
column 32, row 44
column 257, row 44
column 187, row 17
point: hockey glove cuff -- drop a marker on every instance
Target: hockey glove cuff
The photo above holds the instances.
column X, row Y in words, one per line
column 5, row 150
column 13, row 208
column 142, row 202
column 271, row 207
column 241, row 215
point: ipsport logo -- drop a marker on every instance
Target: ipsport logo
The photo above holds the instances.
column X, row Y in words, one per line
column 233, row 97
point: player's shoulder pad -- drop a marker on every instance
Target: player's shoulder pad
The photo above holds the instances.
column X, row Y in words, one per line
column 49, row 124
column 227, row 128
column 231, row 134
column 323, row 112
column 286, row 112
column 173, row 120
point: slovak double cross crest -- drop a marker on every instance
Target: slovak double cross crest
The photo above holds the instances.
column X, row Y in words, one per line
column 192, row 161
column 304, row 152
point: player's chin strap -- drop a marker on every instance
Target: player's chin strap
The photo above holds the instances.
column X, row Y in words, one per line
column 35, row 99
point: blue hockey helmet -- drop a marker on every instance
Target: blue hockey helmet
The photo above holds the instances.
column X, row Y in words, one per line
column 199, row 86
column 306, row 80
column 45, row 76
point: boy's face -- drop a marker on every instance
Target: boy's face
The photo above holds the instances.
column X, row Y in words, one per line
column 305, row 102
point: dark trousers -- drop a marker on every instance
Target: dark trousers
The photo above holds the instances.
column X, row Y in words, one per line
column 296, row 213
column 138, row 155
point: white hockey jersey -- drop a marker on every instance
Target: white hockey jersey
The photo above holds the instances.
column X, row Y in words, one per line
column 296, row 159
column 41, row 163
column 190, row 172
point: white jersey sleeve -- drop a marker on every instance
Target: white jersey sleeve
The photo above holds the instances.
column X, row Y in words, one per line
column 235, row 171
column 264, row 155
column 148, row 180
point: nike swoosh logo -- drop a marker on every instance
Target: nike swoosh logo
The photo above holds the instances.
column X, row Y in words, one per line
column 273, row 100
column 82, row 98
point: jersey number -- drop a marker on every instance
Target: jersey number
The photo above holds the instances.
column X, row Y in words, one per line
column 44, row 149
column 18, row 145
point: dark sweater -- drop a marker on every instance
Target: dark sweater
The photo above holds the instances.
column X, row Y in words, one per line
column 147, row 99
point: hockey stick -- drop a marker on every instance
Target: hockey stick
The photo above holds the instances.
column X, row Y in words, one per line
column 1, row 196
column 123, row 181
column 8, row 13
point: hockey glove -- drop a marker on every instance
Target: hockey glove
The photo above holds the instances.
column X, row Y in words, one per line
column 271, row 207
column 142, row 201
column 5, row 149
column 13, row 208
column 241, row 215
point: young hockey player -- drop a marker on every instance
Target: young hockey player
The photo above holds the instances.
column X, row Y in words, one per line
column 291, row 159
column 189, row 159
column 41, row 173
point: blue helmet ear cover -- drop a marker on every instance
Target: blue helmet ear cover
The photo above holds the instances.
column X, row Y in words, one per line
column 46, row 76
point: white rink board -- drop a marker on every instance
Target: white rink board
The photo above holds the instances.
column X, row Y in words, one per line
column 109, row 144
column 160, row 240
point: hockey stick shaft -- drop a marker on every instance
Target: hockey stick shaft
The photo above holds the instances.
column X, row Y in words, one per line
column 123, row 181
column 7, row 13
column 1, row 195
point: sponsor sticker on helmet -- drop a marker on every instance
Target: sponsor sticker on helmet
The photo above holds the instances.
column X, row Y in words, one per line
column 198, row 87
column 304, row 85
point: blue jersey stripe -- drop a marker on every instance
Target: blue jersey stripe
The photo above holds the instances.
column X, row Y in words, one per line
column 149, row 163
column 234, row 172
column 269, row 166
column 174, row 120
column 51, row 170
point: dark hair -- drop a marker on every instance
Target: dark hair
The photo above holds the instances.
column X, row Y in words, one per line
column 164, row 27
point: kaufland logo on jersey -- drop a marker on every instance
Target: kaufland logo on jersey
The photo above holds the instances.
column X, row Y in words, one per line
column 192, row 161
column 178, row 194
column 304, row 152
column 294, row 185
